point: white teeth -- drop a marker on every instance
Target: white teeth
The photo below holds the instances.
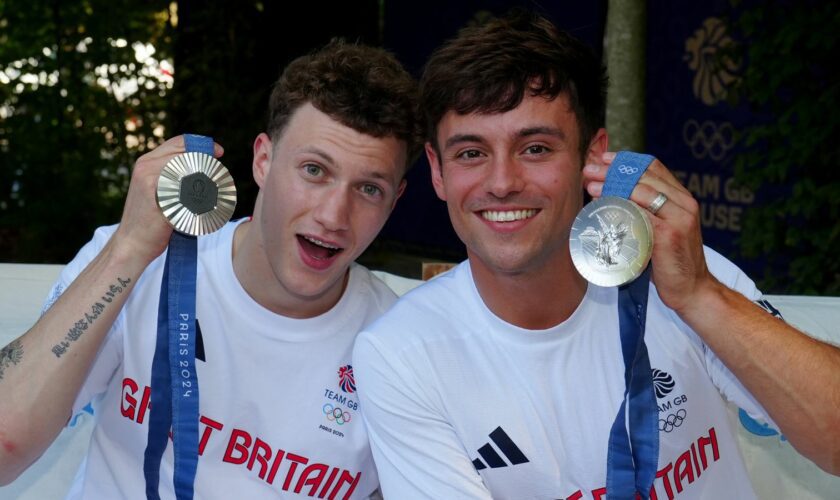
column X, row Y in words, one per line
column 321, row 243
column 508, row 215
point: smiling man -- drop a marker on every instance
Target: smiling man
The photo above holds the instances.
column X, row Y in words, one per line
column 279, row 303
column 503, row 377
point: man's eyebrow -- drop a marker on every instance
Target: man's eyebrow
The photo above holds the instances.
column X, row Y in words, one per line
column 319, row 152
column 556, row 132
column 459, row 138
column 377, row 174
column 370, row 173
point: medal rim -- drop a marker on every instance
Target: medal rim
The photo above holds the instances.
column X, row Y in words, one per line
column 167, row 194
column 635, row 267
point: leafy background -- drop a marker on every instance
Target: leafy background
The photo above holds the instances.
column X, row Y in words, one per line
column 72, row 122
column 792, row 77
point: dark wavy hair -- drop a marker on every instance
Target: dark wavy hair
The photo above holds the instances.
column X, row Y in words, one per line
column 362, row 87
column 488, row 69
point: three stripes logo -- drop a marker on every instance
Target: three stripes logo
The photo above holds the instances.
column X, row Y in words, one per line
column 504, row 444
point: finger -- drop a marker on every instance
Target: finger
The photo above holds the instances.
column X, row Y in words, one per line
column 649, row 186
column 172, row 146
column 595, row 174
column 679, row 208
column 661, row 180
column 593, row 178
column 175, row 146
column 680, row 203
column 658, row 170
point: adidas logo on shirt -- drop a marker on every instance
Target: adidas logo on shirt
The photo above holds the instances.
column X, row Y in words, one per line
column 504, row 444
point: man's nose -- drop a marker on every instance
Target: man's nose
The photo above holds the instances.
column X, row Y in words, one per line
column 333, row 209
column 504, row 177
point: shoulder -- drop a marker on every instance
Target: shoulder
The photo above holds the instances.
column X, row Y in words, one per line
column 437, row 298
column 375, row 297
column 430, row 312
column 220, row 242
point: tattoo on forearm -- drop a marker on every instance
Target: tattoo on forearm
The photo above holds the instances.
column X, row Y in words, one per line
column 10, row 355
column 88, row 319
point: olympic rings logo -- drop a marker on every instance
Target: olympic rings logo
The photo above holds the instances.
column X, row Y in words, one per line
column 336, row 414
column 627, row 169
column 672, row 421
column 709, row 139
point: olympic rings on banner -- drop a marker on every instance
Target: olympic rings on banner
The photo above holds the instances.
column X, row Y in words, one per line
column 709, row 139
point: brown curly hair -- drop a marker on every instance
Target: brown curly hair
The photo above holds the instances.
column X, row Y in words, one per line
column 488, row 69
column 362, row 87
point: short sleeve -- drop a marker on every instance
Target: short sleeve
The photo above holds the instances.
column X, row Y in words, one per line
column 110, row 352
column 726, row 382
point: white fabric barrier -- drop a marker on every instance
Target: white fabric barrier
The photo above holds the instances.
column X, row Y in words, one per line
column 777, row 470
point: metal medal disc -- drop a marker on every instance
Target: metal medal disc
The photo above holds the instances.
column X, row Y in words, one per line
column 196, row 193
column 611, row 241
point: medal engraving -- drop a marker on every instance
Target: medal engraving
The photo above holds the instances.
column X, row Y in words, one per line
column 196, row 194
column 611, row 241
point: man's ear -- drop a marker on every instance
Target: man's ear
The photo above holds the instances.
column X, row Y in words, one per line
column 437, row 170
column 262, row 158
column 597, row 147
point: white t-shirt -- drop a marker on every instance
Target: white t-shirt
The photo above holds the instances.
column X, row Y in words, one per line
column 460, row 404
column 279, row 416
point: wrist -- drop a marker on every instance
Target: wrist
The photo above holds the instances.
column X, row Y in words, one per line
column 710, row 297
column 124, row 253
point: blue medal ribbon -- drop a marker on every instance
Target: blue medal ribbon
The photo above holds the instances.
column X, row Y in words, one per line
column 174, row 398
column 632, row 457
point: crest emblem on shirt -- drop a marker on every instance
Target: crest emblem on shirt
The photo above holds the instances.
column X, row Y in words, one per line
column 671, row 405
column 663, row 383
column 346, row 381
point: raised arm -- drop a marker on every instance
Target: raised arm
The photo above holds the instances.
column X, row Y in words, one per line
column 42, row 371
column 795, row 377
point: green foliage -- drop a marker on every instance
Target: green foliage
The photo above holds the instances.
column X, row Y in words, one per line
column 70, row 129
column 791, row 74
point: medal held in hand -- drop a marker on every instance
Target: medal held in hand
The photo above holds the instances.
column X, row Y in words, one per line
column 611, row 240
column 196, row 193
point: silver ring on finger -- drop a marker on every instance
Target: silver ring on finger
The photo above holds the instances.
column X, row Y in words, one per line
column 657, row 203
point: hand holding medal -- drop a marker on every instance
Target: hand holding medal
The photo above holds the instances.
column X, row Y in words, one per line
column 673, row 213
column 611, row 239
column 195, row 191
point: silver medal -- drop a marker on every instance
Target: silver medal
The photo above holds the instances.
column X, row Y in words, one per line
column 196, row 193
column 611, row 241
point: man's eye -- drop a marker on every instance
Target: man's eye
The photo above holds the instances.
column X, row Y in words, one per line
column 469, row 154
column 313, row 170
column 371, row 190
column 536, row 149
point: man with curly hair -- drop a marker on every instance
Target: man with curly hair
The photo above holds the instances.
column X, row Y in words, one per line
column 279, row 303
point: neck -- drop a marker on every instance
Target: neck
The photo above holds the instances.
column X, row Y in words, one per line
column 252, row 269
column 533, row 299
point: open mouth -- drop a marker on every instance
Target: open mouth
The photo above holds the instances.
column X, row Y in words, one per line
column 507, row 215
column 318, row 249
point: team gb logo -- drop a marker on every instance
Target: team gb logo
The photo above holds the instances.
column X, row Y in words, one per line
column 346, row 380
